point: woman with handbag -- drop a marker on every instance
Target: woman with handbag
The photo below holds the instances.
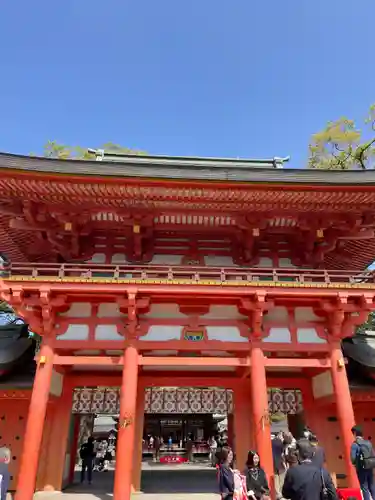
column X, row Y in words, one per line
column 256, row 479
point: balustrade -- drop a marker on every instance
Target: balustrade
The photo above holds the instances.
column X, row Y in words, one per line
column 182, row 274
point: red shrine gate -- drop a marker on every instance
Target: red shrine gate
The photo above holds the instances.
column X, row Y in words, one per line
column 207, row 272
column 309, row 358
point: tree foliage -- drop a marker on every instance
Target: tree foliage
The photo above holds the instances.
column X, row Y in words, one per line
column 5, row 308
column 367, row 325
column 52, row 149
column 340, row 146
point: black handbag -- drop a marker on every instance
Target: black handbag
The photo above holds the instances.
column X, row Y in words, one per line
column 324, row 493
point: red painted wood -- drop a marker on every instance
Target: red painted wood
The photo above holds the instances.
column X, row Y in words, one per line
column 345, row 410
column 261, row 422
column 126, row 433
column 34, row 427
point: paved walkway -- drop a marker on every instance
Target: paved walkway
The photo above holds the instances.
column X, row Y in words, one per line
column 159, row 482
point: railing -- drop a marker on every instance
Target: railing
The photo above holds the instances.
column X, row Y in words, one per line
column 190, row 274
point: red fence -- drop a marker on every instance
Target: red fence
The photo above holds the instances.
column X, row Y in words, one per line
column 191, row 274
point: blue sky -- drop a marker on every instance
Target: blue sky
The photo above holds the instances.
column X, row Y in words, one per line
column 200, row 77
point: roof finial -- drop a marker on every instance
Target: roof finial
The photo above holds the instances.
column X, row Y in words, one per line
column 99, row 153
column 279, row 162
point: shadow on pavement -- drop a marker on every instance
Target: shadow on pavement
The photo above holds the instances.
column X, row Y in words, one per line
column 179, row 481
column 154, row 481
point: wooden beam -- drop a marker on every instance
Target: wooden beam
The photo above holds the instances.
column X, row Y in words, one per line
column 115, row 361
column 182, row 345
column 179, row 361
column 167, row 361
column 297, row 363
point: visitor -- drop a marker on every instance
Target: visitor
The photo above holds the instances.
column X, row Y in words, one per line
column 289, row 445
column 279, row 465
column 170, row 443
column 256, row 480
column 307, row 433
column 4, row 472
column 363, row 459
column 213, row 450
column 151, row 442
column 189, row 449
column 319, row 457
column 226, row 474
column 87, row 454
column 292, row 458
column 157, row 445
column 306, row 481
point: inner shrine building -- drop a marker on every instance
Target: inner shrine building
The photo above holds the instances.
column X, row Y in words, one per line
column 145, row 272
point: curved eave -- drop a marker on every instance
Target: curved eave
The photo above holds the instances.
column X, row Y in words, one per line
column 146, row 167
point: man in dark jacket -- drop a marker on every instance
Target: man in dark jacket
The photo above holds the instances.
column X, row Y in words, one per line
column 306, row 481
column 4, row 472
column 359, row 449
column 87, row 455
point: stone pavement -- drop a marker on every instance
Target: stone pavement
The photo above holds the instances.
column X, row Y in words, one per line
column 177, row 482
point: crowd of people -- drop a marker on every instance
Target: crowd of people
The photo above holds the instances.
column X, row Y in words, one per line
column 299, row 470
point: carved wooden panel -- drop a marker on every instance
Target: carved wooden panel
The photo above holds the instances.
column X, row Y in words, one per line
column 180, row 400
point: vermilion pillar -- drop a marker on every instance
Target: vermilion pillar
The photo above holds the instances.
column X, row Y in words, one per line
column 261, row 422
column 35, row 422
column 126, row 433
column 242, row 442
column 139, row 424
column 345, row 413
column 58, row 439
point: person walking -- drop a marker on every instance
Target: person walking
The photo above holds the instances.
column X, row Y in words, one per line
column 256, row 480
column 157, row 444
column 306, row 481
column 363, row 458
column 279, row 465
column 213, row 450
column 4, row 472
column 87, row 454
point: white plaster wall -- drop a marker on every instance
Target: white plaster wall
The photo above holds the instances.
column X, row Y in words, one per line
column 75, row 332
column 163, row 333
column 97, row 258
column 166, row 260
column 78, row 310
column 219, row 261
column 225, row 334
column 164, row 311
column 110, row 310
column 279, row 335
column 223, row 312
column 107, row 332
column 322, row 385
column 303, row 314
column 279, row 314
column 56, row 386
column 265, row 262
column 118, row 258
column 285, row 262
column 309, row 335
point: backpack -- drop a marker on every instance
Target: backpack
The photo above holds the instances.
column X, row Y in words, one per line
column 366, row 456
